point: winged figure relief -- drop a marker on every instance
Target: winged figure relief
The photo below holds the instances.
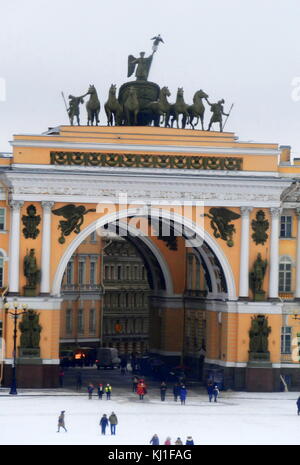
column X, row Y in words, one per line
column 220, row 222
column 74, row 217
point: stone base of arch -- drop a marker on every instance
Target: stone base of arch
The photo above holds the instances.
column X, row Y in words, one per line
column 32, row 376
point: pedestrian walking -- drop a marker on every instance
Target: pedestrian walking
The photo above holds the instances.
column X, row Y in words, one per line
column 189, row 441
column 298, row 405
column 61, row 378
column 103, row 423
column 107, row 390
column 183, row 394
column 168, row 441
column 216, row 392
column 90, row 389
column 141, row 389
column 154, row 440
column 78, row 381
column 113, row 420
column 100, row 391
column 163, row 391
column 178, row 442
column 61, row 421
column 210, row 390
column 176, row 391
column 135, row 382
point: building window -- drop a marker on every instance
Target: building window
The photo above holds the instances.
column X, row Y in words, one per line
column 112, row 272
column 119, row 272
column 1, row 270
column 92, row 272
column 136, row 273
column 93, row 237
column 70, row 274
column 286, row 339
column 106, row 272
column 80, row 321
column 92, row 321
column 2, row 219
column 128, row 272
column 69, row 321
column 285, row 275
column 81, row 272
column 286, row 226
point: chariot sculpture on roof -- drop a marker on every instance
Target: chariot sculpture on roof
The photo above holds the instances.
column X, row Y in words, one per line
column 143, row 103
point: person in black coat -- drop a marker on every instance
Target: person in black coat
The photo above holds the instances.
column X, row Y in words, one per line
column 103, row 423
column 210, row 391
column 100, row 391
column 176, row 391
column 298, row 405
column 163, row 391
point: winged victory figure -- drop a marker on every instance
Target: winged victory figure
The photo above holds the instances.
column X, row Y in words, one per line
column 220, row 222
column 74, row 216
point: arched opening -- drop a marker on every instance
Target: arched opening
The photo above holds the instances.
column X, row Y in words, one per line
column 208, row 277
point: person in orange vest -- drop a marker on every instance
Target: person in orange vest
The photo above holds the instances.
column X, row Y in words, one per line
column 108, row 391
column 141, row 389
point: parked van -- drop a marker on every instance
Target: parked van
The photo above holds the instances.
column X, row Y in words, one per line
column 107, row 357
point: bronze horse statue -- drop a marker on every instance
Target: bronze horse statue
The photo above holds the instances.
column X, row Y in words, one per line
column 178, row 108
column 197, row 109
column 113, row 108
column 93, row 106
column 161, row 107
column 131, row 107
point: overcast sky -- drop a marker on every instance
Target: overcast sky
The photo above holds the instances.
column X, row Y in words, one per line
column 246, row 52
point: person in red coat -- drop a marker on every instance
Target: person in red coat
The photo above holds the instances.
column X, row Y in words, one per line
column 141, row 389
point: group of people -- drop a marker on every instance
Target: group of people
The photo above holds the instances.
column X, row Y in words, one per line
column 112, row 420
column 179, row 391
column 100, row 390
column 212, row 391
column 155, row 441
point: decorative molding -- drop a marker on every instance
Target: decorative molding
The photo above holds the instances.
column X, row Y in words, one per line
column 275, row 212
column 245, row 211
column 145, row 148
column 16, row 204
column 98, row 187
column 146, row 161
column 47, row 205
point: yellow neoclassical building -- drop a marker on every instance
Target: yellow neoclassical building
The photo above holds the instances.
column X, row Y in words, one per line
column 214, row 220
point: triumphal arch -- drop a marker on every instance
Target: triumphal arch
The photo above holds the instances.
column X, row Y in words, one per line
column 215, row 220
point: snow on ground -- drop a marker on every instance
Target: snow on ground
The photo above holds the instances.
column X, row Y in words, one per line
column 237, row 418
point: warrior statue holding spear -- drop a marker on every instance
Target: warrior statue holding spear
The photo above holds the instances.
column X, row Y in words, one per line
column 217, row 110
column 74, row 107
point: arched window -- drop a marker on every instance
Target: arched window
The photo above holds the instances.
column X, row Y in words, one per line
column 1, row 270
column 285, row 274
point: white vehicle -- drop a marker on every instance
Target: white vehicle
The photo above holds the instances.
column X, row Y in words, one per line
column 107, row 357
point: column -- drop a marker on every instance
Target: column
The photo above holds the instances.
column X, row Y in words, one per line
column 274, row 254
column 14, row 246
column 46, row 248
column 297, row 293
column 244, row 254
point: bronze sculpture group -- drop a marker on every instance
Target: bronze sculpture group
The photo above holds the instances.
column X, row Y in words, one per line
column 144, row 103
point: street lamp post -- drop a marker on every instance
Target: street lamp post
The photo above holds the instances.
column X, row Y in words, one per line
column 15, row 315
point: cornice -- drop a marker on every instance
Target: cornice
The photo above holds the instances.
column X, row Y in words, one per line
column 144, row 148
column 99, row 188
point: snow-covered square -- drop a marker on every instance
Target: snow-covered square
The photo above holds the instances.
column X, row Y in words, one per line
column 237, row 418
